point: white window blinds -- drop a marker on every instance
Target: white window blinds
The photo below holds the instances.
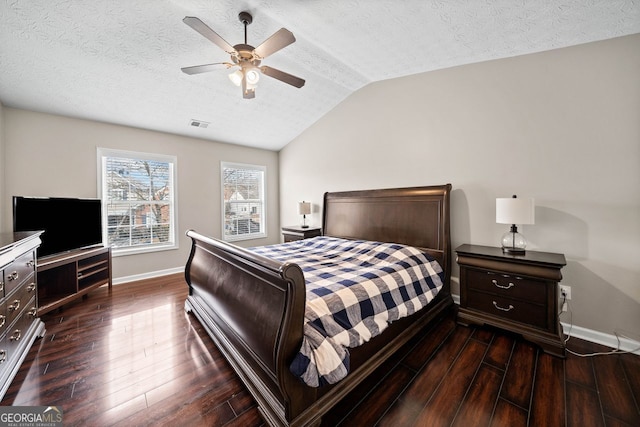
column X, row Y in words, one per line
column 138, row 193
column 243, row 201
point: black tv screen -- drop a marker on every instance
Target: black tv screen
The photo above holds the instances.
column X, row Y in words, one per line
column 67, row 223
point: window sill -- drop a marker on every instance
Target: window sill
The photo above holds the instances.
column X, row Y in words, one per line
column 245, row 237
column 116, row 252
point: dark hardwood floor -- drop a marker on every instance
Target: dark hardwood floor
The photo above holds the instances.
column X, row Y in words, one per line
column 133, row 357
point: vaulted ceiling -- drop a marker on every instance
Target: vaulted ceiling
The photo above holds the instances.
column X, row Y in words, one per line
column 119, row 61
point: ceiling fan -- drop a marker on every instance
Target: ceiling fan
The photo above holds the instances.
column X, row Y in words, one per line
column 245, row 56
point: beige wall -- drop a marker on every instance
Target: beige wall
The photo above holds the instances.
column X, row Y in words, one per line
column 2, row 168
column 47, row 155
column 560, row 126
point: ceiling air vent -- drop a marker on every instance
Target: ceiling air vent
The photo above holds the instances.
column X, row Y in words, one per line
column 198, row 123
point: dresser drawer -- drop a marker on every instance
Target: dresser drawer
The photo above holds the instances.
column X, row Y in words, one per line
column 17, row 331
column 4, row 321
column 508, row 308
column 506, row 285
column 17, row 301
column 4, row 351
column 18, row 272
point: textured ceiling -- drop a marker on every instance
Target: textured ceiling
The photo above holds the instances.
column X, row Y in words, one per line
column 118, row 61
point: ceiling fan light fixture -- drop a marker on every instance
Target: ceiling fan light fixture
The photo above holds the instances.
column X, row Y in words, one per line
column 236, row 77
column 252, row 76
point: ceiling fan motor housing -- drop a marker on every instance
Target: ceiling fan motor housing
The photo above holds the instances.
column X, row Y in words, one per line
column 245, row 17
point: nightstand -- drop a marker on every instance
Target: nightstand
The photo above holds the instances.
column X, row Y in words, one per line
column 296, row 232
column 518, row 293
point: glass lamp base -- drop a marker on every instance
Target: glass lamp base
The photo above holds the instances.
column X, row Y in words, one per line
column 513, row 243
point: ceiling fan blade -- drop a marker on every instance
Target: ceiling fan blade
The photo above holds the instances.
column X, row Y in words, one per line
column 197, row 69
column 207, row 32
column 282, row 76
column 280, row 39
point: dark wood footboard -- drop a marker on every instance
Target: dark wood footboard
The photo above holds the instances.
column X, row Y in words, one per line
column 253, row 308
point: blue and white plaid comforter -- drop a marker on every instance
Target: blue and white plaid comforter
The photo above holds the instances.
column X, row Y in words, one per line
column 355, row 289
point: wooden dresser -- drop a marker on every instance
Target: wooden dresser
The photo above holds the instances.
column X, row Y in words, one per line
column 19, row 324
column 518, row 293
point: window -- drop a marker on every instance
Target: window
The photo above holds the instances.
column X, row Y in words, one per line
column 138, row 192
column 243, row 201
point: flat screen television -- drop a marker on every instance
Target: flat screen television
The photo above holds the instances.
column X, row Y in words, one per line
column 68, row 223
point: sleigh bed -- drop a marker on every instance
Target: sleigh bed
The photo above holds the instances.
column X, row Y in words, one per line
column 253, row 307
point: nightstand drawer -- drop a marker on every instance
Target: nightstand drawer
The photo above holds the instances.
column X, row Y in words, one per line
column 293, row 233
column 506, row 285
column 507, row 308
column 292, row 237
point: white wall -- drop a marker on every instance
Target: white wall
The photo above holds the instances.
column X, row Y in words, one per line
column 47, row 155
column 560, row 126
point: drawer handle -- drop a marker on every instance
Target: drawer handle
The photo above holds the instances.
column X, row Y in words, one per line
column 3, row 356
column 495, row 304
column 495, row 282
column 14, row 306
column 3, row 320
column 13, row 276
column 33, row 312
column 1, row 286
column 31, row 287
column 17, row 334
column 30, row 263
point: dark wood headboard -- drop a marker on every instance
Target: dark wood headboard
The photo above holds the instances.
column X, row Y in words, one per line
column 415, row 216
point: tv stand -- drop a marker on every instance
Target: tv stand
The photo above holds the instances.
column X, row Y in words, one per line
column 66, row 277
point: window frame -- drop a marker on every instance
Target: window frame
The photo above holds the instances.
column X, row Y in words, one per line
column 250, row 236
column 102, row 155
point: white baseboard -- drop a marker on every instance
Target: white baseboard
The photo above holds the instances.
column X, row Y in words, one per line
column 151, row 275
column 609, row 340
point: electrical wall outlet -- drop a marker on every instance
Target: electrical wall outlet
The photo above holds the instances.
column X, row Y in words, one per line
column 565, row 290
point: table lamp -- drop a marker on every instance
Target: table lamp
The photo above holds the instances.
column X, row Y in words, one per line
column 304, row 209
column 514, row 211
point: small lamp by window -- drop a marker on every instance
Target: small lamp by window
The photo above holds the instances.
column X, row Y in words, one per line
column 304, row 209
column 514, row 211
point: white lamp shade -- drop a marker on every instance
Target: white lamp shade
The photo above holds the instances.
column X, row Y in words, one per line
column 304, row 208
column 515, row 210
column 252, row 75
column 236, row 77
